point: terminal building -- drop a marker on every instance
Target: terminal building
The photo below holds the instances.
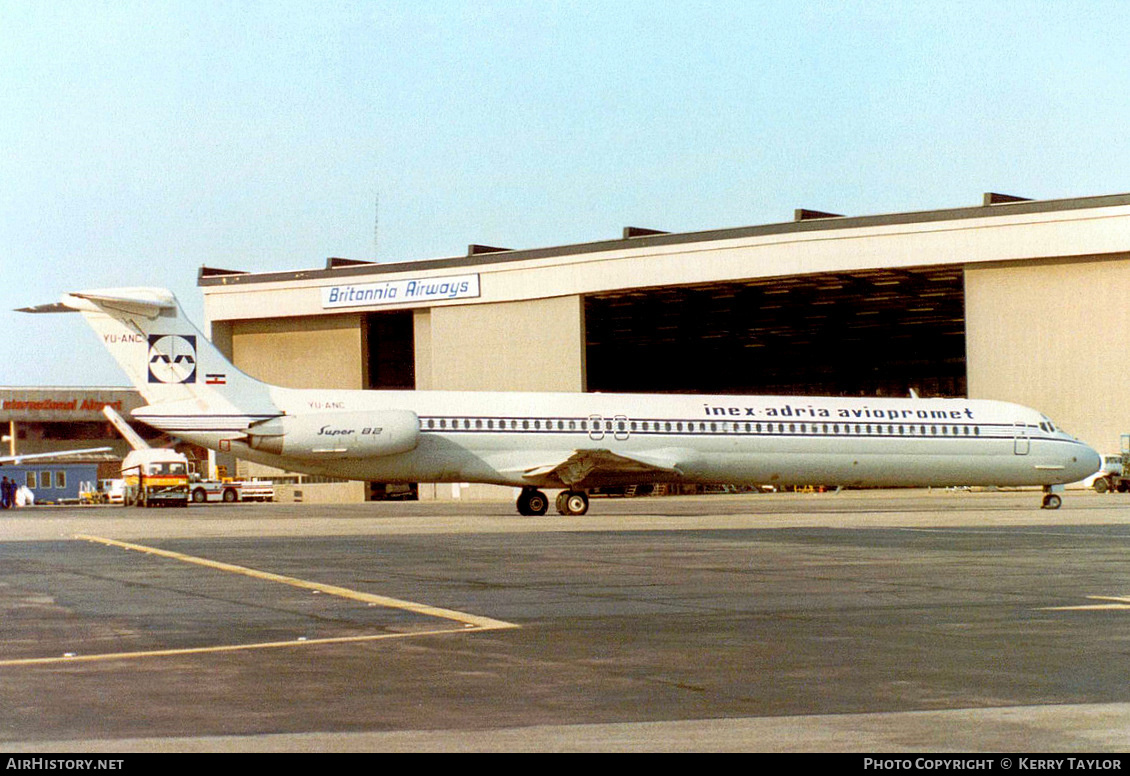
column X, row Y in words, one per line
column 58, row 419
column 1010, row 299
column 51, row 420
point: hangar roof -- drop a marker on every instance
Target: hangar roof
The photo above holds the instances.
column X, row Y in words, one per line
column 993, row 205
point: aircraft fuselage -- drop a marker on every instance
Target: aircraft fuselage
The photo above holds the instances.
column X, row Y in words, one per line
column 573, row 441
column 503, row 438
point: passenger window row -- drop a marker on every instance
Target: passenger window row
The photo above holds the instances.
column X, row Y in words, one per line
column 623, row 425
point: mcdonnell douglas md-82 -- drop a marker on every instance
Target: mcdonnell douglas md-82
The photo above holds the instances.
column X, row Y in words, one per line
column 571, row 441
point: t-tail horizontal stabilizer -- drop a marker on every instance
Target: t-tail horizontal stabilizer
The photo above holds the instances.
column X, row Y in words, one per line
column 165, row 356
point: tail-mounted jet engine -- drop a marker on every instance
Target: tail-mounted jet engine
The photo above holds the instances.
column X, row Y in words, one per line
column 337, row 434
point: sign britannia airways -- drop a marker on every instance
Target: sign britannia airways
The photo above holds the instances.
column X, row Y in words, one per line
column 408, row 291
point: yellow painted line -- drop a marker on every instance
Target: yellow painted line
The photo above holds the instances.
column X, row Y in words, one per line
column 343, row 592
column 470, row 622
column 1118, row 599
column 1118, row 603
column 30, row 661
column 1087, row 608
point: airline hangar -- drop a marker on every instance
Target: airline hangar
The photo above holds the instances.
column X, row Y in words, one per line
column 1013, row 299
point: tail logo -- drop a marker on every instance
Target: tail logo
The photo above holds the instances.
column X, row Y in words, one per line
column 172, row 358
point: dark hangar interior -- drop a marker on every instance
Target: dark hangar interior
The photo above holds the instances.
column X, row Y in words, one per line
column 871, row 333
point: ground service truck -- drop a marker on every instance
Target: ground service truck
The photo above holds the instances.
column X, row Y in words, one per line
column 229, row 491
column 1115, row 474
column 155, row 477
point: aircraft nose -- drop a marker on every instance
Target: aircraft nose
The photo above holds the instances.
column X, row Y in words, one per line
column 1087, row 462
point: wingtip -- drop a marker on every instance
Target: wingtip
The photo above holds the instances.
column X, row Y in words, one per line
column 55, row 307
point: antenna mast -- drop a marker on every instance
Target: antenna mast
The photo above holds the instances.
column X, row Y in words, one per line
column 376, row 224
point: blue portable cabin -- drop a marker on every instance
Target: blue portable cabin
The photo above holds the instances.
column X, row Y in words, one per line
column 52, row 482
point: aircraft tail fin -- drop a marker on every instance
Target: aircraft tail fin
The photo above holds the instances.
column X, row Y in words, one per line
column 165, row 356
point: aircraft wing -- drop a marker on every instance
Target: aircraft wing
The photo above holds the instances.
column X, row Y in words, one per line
column 59, row 454
column 582, row 464
column 131, row 436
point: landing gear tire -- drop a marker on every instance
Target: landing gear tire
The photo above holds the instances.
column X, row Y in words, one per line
column 532, row 503
column 572, row 502
column 1052, row 501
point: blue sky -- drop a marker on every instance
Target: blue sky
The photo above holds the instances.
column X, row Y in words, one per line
column 142, row 140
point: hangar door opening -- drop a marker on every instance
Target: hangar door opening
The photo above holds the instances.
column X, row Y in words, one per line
column 390, row 364
column 391, row 350
column 868, row 333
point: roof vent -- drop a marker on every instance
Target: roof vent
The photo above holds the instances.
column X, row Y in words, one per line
column 803, row 214
column 992, row 198
column 334, row 262
column 211, row 272
column 639, row 231
column 474, row 249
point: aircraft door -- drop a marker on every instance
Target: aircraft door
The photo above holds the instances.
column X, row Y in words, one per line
column 1021, row 443
column 596, row 427
column 620, row 428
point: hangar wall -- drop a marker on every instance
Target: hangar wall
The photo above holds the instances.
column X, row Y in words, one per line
column 323, row 352
column 535, row 345
column 1052, row 335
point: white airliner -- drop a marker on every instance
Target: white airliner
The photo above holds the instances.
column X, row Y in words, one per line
column 571, row 441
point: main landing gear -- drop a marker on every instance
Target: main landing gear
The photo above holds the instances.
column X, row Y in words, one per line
column 533, row 503
column 572, row 502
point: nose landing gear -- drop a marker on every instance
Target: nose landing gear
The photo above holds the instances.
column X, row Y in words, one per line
column 1051, row 500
